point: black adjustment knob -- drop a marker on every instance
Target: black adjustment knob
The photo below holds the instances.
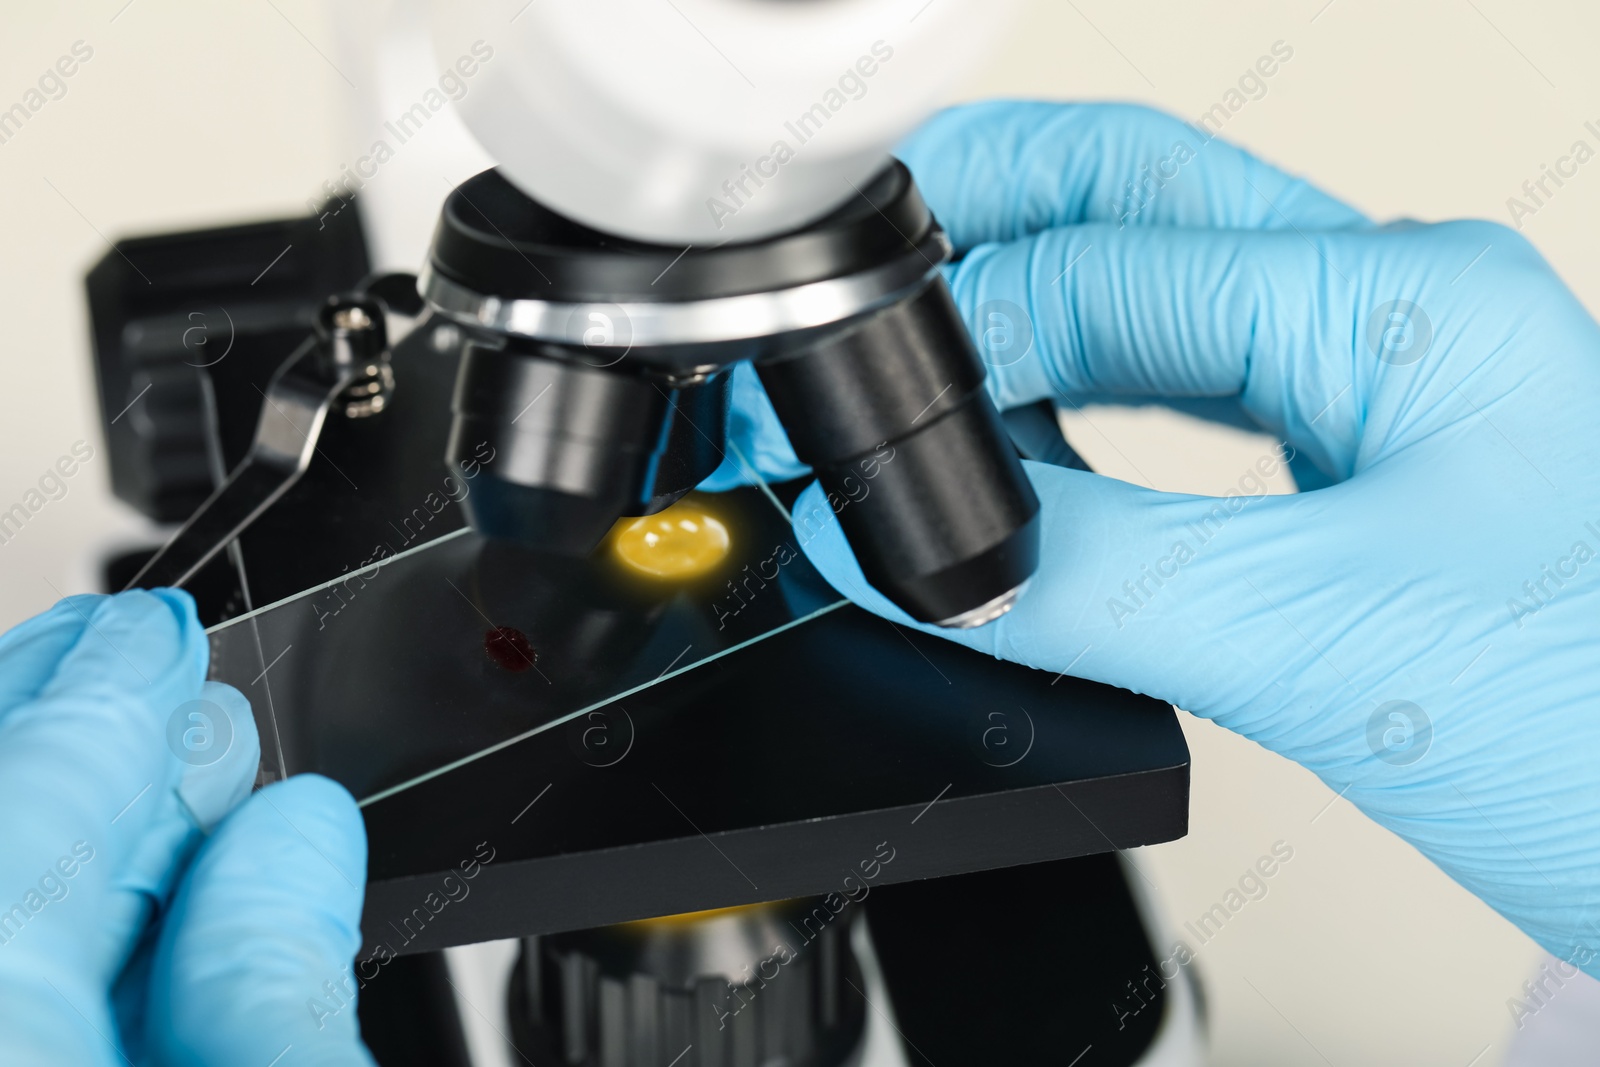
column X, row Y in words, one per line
column 759, row 986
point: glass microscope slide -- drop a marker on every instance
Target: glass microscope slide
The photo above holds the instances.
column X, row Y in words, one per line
column 435, row 657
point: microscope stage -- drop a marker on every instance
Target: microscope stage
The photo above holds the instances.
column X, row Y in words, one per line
column 842, row 753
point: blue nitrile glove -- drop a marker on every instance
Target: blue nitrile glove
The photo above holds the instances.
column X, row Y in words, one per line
column 149, row 913
column 1424, row 634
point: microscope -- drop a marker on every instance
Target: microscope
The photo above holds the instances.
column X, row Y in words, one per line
column 446, row 531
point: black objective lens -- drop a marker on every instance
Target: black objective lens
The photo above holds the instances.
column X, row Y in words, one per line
column 568, row 448
column 851, row 328
column 913, row 458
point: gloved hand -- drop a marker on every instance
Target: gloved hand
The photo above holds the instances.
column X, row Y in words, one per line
column 1423, row 633
column 149, row 913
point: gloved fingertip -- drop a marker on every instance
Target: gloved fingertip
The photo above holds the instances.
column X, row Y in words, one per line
column 146, row 643
column 215, row 738
column 730, row 474
column 823, row 541
column 294, row 853
column 326, row 813
column 183, row 607
column 306, row 792
column 66, row 616
column 256, row 954
column 295, row 840
column 30, row 651
column 77, row 605
column 180, row 600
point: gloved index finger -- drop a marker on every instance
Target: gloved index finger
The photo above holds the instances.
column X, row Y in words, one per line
column 85, row 774
column 31, row 650
column 87, row 757
column 255, row 957
column 1001, row 170
column 91, row 736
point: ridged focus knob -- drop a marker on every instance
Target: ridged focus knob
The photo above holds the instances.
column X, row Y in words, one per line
column 761, row 986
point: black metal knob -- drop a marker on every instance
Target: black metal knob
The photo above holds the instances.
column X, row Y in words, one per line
column 757, row 986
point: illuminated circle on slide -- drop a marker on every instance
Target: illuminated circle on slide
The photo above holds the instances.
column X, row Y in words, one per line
column 684, row 541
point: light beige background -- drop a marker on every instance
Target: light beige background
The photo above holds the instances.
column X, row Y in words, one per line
column 196, row 113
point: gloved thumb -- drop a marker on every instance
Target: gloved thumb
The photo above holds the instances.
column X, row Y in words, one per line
column 264, row 924
column 1160, row 593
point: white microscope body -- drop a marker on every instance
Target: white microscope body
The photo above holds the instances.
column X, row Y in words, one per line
column 707, row 121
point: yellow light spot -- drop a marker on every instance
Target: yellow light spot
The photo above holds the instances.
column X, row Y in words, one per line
column 694, row 916
column 684, row 541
